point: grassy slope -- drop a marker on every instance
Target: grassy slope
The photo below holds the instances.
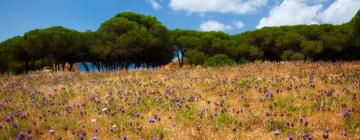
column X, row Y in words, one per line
column 219, row 103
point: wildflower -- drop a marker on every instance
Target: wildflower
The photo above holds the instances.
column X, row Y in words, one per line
column 346, row 114
column 152, row 120
column 95, row 138
column 52, row 131
column 269, row 95
column 301, row 119
column 135, row 102
column 191, row 99
column 344, row 133
column 29, row 131
column 290, row 138
column 178, row 104
column 326, row 133
column 234, row 128
column 154, row 138
column 21, row 135
column 15, row 124
column 277, row 132
column 306, row 136
column 168, row 90
column 9, row 118
column 122, row 110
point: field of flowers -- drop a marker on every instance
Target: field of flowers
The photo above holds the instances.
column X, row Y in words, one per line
column 290, row 100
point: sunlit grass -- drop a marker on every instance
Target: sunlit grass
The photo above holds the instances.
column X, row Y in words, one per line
column 252, row 101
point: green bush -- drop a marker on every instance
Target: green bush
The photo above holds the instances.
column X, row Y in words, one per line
column 195, row 57
column 219, row 60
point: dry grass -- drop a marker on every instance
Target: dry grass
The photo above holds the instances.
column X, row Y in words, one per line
column 244, row 102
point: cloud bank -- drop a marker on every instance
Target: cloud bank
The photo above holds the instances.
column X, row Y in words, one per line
column 294, row 12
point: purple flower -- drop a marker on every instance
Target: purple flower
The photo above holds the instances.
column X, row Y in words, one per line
column 269, row 95
column 135, row 102
column 344, row 133
column 21, row 135
column 29, row 131
column 152, row 120
column 290, row 138
column 122, row 110
column 306, row 136
column 9, row 118
column 346, row 114
column 94, row 138
column 15, row 124
column 301, row 119
column 154, row 138
column 168, row 90
column 191, row 99
column 178, row 104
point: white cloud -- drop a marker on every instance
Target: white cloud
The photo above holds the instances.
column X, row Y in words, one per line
column 155, row 5
column 294, row 12
column 218, row 6
column 238, row 24
column 213, row 25
column 340, row 11
column 291, row 12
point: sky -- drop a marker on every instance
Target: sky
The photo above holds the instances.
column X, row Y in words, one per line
column 230, row 16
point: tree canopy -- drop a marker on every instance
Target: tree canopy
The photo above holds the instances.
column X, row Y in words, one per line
column 142, row 41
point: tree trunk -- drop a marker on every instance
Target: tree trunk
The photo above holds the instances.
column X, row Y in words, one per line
column 86, row 66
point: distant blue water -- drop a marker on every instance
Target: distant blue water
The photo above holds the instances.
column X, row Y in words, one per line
column 92, row 68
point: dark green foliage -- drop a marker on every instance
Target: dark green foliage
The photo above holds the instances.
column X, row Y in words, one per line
column 131, row 38
column 128, row 38
column 356, row 23
column 219, row 60
column 184, row 40
column 195, row 57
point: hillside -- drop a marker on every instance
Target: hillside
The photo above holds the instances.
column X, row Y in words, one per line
column 253, row 101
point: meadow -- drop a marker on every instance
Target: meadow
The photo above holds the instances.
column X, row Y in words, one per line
column 274, row 100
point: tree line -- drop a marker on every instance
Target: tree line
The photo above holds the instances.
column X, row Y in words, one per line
column 134, row 39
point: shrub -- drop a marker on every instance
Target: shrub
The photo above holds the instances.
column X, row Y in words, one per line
column 219, row 60
column 195, row 57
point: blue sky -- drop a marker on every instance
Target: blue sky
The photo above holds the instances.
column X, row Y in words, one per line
column 231, row 16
